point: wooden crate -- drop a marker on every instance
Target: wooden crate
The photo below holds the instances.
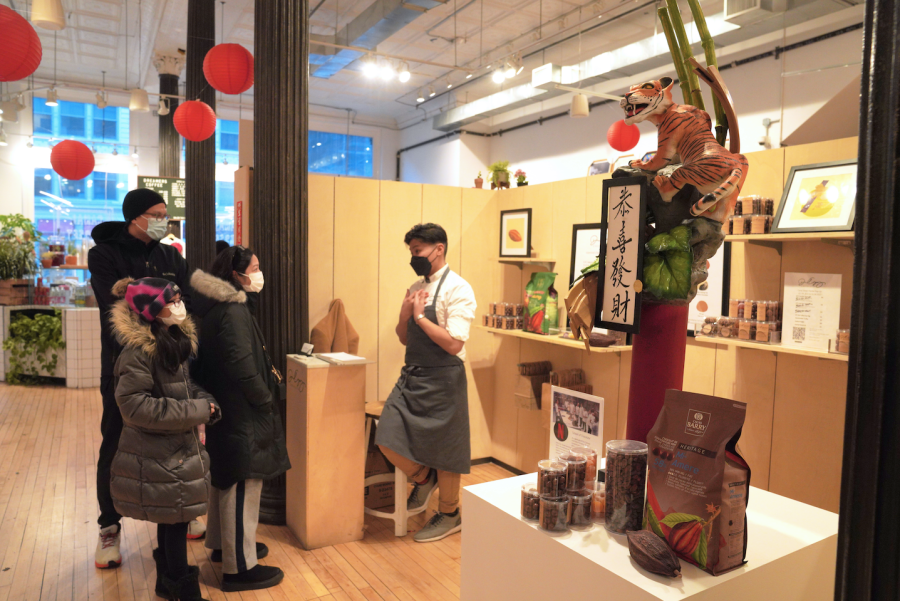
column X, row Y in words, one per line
column 14, row 292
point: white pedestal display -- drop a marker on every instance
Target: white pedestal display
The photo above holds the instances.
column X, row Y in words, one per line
column 791, row 554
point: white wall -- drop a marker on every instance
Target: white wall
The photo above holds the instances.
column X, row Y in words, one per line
column 16, row 167
column 564, row 147
column 434, row 163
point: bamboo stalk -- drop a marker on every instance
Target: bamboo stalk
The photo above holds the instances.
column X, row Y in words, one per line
column 685, row 46
column 675, row 52
column 709, row 50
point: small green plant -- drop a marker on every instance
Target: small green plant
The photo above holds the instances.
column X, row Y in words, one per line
column 17, row 239
column 479, row 175
column 495, row 169
column 33, row 346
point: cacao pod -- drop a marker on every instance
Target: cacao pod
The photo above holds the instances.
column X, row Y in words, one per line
column 653, row 554
column 515, row 236
column 684, row 538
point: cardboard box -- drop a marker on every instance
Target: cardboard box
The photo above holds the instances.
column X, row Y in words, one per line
column 381, row 495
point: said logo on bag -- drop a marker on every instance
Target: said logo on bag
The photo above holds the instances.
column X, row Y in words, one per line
column 697, row 422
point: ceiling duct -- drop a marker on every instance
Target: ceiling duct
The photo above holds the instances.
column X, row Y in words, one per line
column 374, row 25
column 745, row 12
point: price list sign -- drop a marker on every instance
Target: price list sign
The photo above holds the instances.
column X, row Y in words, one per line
column 170, row 188
column 622, row 254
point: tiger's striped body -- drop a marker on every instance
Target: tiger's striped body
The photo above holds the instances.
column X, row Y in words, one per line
column 685, row 131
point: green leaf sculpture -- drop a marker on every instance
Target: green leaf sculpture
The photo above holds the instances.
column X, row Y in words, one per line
column 667, row 264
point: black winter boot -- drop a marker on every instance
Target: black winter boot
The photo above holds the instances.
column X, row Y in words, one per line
column 261, row 551
column 186, row 588
column 161, row 572
column 256, row 578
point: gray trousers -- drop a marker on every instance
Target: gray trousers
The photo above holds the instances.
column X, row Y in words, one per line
column 231, row 524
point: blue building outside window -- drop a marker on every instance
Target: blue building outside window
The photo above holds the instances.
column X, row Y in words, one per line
column 101, row 129
column 339, row 154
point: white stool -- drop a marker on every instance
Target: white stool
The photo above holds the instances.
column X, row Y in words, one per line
column 400, row 515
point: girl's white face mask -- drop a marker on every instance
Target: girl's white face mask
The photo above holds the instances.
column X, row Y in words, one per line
column 177, row 314
column 257, row 281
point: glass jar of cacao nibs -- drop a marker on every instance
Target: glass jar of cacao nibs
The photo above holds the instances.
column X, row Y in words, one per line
column 592, row 459
column 579, row 510
column 531, row 505
column 554, row 513
column 552, row 478
column 626, row 484
column 576, row 469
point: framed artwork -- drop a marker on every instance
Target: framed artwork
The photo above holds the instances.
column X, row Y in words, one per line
column 713, row 294
column 818, row 198
column 586, row 238
column 648, row 155
column 599, row 167
column 622, row 254
column 515, row 233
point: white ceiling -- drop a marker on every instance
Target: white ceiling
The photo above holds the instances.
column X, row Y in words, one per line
column 467, row 33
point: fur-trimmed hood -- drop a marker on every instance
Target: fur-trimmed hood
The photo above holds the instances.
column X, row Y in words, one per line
column 216, row 289
column 132, row 331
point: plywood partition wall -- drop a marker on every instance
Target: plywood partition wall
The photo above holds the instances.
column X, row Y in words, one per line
column 792, row 436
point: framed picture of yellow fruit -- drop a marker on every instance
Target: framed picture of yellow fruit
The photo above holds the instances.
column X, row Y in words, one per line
column 515, row 233
column 818, row 198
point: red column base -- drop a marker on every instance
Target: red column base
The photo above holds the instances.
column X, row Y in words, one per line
column 657, row 364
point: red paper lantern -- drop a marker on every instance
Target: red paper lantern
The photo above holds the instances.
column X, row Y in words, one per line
column 229, row 68
column 72, row 160
column 20, row 47
column 195, row 120
column 623, row 137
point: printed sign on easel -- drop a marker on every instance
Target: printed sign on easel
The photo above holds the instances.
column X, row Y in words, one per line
column 622, row 254
column 576, row 421
column 812, row 309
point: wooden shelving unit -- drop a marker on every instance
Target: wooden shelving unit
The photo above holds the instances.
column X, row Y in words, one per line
column 775, row 348
column 552, row 339
column 837, row 238
column 548, row 263
column 68, row 268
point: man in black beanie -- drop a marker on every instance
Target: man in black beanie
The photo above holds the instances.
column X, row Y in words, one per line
column 126, row 249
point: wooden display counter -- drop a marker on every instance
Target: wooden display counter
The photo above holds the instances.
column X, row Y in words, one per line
column 325, row 422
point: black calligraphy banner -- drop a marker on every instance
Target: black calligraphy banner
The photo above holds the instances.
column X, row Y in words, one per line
column 622, row 254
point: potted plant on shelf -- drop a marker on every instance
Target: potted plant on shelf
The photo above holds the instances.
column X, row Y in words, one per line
column 499, row 174
column 17, row 258
column 520, row 178
column 479, row 182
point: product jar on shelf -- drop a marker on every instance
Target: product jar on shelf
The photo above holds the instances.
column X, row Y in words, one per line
column 576, row 470
column 554, row 514
column 626, row 485
column 579, row 509
column 591, row 456
column 530, row 502
column 598, row 498
column 552, row 478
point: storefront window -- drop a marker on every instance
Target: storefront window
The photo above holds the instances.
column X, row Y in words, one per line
column 102, row 129
column 73, row 208
column 339, row 154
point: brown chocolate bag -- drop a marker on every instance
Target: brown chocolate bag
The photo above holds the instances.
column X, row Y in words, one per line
column 698, row 484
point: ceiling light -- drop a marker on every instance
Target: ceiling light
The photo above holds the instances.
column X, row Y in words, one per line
column 404, row 73
column 509, row 71
column 139, row 102
column 115, row 151
column 30, row 143
column 369, row 66
column 101, row 100
column 420, row 97
column 20, row 102
column 449, row 85
column 48, row 14
column 225, row 161
column 1, row 110
column 580, row 106
column 134, row 154
column 431, row 91
column 3, row 141
column 519, row 64
column 52, row 97
column 498, row 75
column 386, row 71
column 163, row 109
column 562, row 24
column 469, row 75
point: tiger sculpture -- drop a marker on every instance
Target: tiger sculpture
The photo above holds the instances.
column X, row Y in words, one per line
column 685, row 131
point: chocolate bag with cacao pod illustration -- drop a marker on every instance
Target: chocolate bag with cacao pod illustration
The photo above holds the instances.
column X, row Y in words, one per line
column 698, row 483
column 541, row 309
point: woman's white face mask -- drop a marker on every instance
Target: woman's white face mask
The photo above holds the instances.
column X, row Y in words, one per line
column 257, row 281
column 177, row 314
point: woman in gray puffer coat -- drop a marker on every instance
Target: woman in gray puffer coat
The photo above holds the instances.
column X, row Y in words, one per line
column 161, row 470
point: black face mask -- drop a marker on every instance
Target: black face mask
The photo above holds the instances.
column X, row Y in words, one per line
column 421, row 265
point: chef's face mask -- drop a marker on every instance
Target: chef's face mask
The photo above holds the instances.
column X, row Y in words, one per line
column 421, row 264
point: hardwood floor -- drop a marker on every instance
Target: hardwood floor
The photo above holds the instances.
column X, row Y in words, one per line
column 49, row 438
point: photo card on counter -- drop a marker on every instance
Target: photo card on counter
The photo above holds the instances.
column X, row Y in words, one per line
column 576, row 421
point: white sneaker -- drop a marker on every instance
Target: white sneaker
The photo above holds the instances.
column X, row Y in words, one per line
column 196, row 530
column 107, row 554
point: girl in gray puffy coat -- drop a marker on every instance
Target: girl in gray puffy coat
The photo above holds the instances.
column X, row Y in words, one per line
column 161, row 470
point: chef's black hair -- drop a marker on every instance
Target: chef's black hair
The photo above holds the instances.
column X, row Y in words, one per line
column 431, row 233
column 236, row 258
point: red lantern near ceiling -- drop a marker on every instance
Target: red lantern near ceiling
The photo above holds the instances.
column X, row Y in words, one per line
column 229, row 68
column 195, row 120
column 623, row 137
column 20, row 47
column 72, row 160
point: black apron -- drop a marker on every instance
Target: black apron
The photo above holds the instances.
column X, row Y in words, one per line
column 426, row 416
